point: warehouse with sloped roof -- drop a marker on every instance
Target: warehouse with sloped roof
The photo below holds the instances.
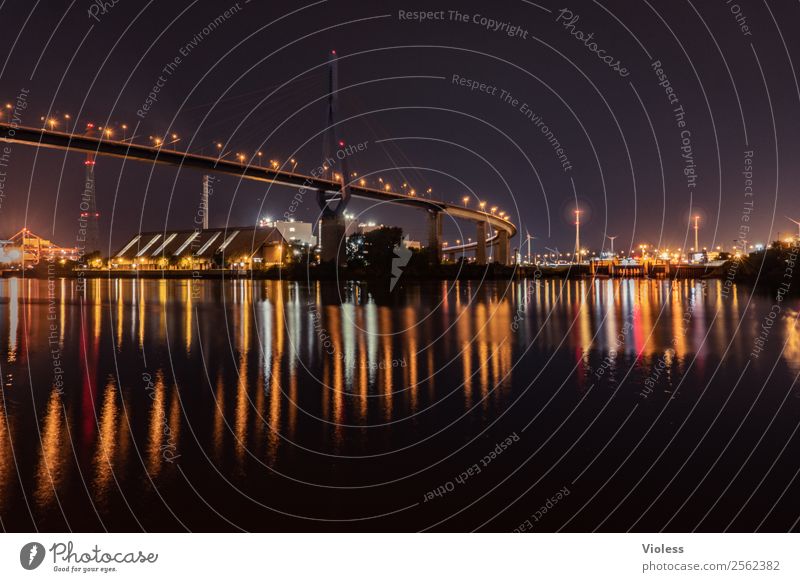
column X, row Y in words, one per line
column 213, row 248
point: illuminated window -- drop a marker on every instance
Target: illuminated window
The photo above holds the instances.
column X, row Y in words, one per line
column 210, row 241
column 148, row 245
column 188, row 241
column 129, row 245
column 163, row 245
column 228, row 241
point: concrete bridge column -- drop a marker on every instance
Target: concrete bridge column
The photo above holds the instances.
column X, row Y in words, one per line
column 502, row 247
column 435, row 235
column 332, row 240
column 480, row 240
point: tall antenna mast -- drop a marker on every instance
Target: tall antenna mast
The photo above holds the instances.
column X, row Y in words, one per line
column 89, row 215
column 204, row 199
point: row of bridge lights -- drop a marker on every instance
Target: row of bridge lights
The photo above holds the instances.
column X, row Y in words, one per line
column 52, row 123
column 482, row 205
column 467, row 240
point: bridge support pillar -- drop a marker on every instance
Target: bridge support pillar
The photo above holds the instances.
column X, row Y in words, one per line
column 502, row 247
column 435, row 236
column 480, row 242
column 332, row 240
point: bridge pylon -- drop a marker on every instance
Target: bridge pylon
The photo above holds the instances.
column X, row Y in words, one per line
column 435, row 236
column 502, row 247
column 332, row 231
column 480, row 243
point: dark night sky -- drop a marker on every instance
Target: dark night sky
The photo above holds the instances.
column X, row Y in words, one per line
column 737, row 90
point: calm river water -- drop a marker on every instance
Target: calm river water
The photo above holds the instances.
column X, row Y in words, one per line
column 266, row 405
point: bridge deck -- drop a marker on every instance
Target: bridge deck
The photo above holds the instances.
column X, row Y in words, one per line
column 158, row 155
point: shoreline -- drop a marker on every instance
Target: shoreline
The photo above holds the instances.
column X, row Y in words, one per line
column 766, row 273
column 446, row 272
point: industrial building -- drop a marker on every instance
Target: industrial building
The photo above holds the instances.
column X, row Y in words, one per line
column 26, row 249
column 249, row 247
column 292, row 230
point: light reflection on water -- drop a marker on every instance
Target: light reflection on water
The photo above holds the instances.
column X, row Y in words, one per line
column 249, row 376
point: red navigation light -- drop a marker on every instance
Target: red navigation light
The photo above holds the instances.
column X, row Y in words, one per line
column 88, row 163
column 341, row 144
column 333, row 52
column 90, row 125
